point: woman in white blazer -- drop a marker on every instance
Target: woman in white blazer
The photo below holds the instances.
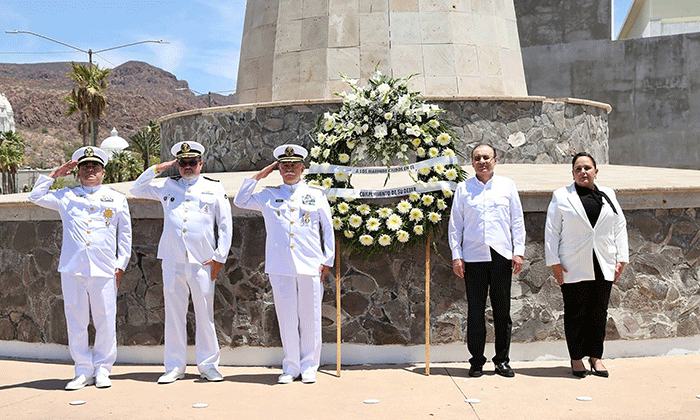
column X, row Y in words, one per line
column 586, row 246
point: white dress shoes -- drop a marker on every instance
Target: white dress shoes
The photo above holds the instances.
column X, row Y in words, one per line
column 103, row 381
column 171, row 376
column 308, row 377
column 212, row 375
column 79, row 382
column 285, row 378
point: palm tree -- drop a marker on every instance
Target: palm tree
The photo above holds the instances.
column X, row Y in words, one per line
column 11, row 157
column 147, row 143
column 89, row 98
column 122, row 167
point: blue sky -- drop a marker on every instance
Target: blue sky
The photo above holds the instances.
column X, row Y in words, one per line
column 204, row 35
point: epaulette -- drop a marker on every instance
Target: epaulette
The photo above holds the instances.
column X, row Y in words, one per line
column 176, row 177
column 210, row 179
column 275, row 187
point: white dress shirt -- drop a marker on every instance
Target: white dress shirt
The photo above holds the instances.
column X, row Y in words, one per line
column 293, row 215
column 96, row 227
column 191, row 210
column 486, row 216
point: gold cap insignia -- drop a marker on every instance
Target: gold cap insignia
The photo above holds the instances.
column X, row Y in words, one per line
column 289, row 151
column 89, row 152
column 185, row 148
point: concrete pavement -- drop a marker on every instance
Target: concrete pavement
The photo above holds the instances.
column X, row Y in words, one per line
column 638, row 388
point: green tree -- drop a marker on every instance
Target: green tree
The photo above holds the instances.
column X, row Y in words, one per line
column 147, row 143
column 11, row 157
column 88, row 98
column 122, row 167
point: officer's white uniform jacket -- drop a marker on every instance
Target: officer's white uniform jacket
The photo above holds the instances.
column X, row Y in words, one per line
column 295, row 218
column 96, row 227
column 191, row 209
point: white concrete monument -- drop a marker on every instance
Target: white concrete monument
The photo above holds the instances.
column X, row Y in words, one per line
column 296, row 49
column 7, row 116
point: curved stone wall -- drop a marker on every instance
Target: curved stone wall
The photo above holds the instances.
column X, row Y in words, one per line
column 528, row 130
column 658, row 295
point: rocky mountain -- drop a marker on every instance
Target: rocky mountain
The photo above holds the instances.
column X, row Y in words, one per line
column 137, row 93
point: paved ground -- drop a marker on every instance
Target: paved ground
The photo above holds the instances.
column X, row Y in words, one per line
column 638, row 388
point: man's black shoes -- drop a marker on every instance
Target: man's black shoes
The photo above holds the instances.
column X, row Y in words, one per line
column 476, row 371
column 504, row 369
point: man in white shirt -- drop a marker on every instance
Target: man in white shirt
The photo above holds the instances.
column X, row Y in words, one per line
column 95, row 252
column 193, row 207
column 487, row 239
column 299, row 250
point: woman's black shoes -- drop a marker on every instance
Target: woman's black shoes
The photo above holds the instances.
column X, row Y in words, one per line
column 578, row 373
column 602, row 373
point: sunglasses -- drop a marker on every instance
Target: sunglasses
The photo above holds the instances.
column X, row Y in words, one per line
column 189, row 162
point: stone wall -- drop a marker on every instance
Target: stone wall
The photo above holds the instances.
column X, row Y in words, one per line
column 658, row 295
column 653, row 85
column 526, row 131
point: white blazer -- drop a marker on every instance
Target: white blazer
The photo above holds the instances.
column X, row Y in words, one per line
column 570, row 240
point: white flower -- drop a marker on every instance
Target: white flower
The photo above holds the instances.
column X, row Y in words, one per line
column 364, row 209
column 355, row 221
column 448, row 152
column 428, row 199
column 337, row 223
column 433, row 179
column 394, row 222
column 434, row 217
column 433, row 152
column 327, row 152
column 315, row 151
column 451, row 174
column 341, row 176
column 314, row 183
column 414, row 196
column 447, row 193
column 366, row 240
column 372, row 224
column 439, row 169
column 402, row 236
column 349, row 234
column 424, row 171
column 416, row 215
column 418, row 229
column 351, row 144
column 328, row 125
column 383, row 88
column 443, row 139
column 420, row 152
column 414, row 131
column 384, row 240
column 434, row 124
column 343, row 207
column 327, row 183
column 321, row 137
column 441, row 204
column 384, row 212
column 380, row 131
column 388, row 116
column 416, row 141
column 343, row 158
column 404, row 207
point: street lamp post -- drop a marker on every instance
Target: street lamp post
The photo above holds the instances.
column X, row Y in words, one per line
column 89, row 51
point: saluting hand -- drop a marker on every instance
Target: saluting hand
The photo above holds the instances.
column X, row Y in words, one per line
column 64, row 169
column 264, row 172
column 162, row 167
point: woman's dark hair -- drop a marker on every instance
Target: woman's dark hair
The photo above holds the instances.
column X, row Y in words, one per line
column 483, row 144
column 582, row 154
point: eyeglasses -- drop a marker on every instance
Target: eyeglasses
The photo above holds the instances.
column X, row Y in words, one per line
column 484, row 158
column 189, row 162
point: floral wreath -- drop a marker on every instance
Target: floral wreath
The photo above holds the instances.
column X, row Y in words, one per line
column 382, row 122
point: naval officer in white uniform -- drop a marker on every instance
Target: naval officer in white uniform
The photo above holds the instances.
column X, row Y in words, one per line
column 193, row 208
column 95, row 252
column 299, row 250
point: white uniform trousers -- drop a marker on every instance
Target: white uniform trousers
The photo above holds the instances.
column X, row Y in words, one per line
column 298, row 306
column 81, row 295
column 179, row 280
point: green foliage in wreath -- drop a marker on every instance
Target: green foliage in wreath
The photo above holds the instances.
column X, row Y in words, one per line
column 385, row 122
